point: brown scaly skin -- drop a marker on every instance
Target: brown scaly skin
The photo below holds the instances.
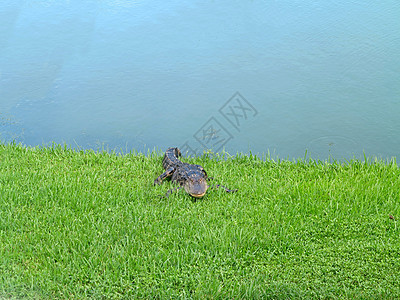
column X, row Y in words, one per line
column 193, row 178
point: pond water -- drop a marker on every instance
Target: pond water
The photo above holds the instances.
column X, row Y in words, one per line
column 283, row 77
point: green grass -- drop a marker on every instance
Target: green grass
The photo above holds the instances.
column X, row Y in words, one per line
column 77, row 225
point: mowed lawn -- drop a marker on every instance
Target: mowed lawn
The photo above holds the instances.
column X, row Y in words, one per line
column 80, row 224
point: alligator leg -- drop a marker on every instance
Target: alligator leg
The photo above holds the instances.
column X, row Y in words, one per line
column 224, row 187
column 169, row 192
column 164, row 175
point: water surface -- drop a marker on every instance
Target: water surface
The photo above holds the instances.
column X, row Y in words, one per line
column 280, row 76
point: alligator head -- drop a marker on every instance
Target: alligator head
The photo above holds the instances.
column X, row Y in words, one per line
column 196, row 187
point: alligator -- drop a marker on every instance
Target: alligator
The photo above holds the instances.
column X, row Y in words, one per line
column 193, row 178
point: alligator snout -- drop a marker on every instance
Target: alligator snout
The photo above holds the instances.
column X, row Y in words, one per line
column 196, row 188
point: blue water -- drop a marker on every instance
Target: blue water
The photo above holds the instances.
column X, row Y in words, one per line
column 280, row 76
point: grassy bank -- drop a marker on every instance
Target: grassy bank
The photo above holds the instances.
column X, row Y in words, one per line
column 81, row 224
